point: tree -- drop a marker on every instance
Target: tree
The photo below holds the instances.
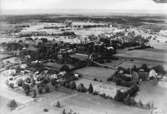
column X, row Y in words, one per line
column 90, row 88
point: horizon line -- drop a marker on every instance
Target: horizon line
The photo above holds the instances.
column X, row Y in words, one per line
column 80, row 11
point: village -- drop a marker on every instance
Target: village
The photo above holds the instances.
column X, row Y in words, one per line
column 83, row 58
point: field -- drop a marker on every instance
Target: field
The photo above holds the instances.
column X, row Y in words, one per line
column 77, row 102
column 94, row 104
column 95, row 72
column 110, row 89
column 139, row 63
column 145, row 55
column 155, row 94
column 3, row 105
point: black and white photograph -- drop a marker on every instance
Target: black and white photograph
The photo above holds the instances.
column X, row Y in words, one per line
column 83, row 56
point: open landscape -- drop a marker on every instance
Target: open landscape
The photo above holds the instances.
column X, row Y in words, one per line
column 83, row 63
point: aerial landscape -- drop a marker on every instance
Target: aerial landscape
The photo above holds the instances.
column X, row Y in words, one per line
column 81, row 62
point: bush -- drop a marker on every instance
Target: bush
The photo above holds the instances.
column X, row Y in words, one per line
column 20, row 83
column 73, row 85
column 145, row 67
column 95, row 93
column 90, row 89
column 11, row 85
column 110, row 79
column 159, row 69
column 47, row 89
column 120, row 96
column 27, row 90
column 12, row 104
column 149, row 106
column 132, row 92
column 134, row 68
column 64, row 111
column 95, row 79
column 58, row 105
column 67, row 84
column 34, row 93
column 110, row 97
column 65, row 68
column 81, row 88
column 130, row 101
column 40, row 90
column 121, row 68
column 103, row 95
column 140, row 104
column 45, row 110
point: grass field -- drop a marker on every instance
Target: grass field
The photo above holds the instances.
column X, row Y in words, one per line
column 95, row 72
column 145, row 55
column 78, row 102
column 3, row 105
column 96, row 105
column 110, row 89
column 139, row 63
column 155, row 94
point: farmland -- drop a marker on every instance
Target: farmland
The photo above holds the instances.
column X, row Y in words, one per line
column 65, row 50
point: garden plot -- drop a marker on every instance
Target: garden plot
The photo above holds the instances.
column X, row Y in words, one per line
column 95, row 72
column 102, row 88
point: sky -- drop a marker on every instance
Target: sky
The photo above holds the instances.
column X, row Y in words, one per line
column 30, row 6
